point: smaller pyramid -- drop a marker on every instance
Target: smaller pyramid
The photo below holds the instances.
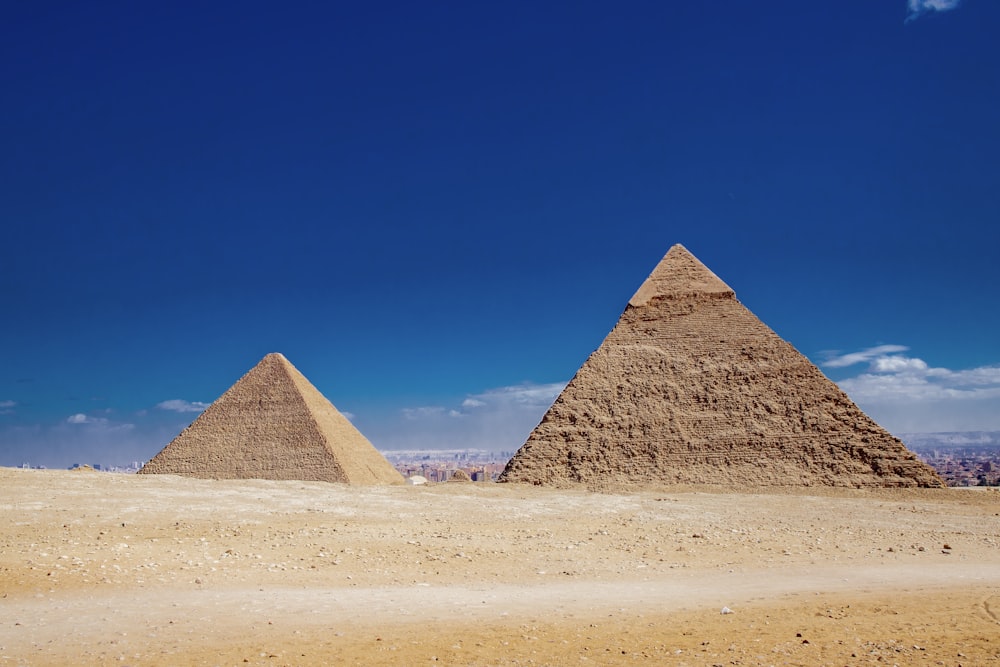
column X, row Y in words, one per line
column 274, row 424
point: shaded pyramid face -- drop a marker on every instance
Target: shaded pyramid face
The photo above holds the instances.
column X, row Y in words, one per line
column 691, row 388
column 274, row 424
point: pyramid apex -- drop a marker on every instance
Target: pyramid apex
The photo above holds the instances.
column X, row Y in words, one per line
column 272, row 359
column 679, row 274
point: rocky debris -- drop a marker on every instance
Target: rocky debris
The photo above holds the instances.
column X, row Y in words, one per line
column 274, row 424
column 691, row 388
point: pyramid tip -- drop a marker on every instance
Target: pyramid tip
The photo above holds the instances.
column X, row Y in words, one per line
column 679, row 273
column 680, row 250
column 274, row 358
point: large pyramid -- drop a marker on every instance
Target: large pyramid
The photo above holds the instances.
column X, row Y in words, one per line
column 274, row 424
column 691, row 388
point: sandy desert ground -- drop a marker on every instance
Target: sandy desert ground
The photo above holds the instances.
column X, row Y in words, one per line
column 102, row 569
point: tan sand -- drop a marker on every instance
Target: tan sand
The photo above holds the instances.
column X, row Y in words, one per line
column 163, row 570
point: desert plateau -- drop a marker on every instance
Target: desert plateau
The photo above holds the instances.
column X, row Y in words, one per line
column 101, row 569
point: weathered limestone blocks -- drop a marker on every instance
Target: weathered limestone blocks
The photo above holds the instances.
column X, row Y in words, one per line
column 691, row 387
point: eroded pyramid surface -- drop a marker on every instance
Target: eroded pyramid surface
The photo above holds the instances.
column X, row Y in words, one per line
column 274, row 424
column 691, row 388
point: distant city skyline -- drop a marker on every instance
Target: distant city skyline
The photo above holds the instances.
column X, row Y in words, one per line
column 961, row 459
column 436, row 213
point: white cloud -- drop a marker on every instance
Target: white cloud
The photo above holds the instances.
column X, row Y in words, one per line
column 98, row 424
column 423, row 412
column 897, row 364
column 836, row 360
column 919, row 7
column 984, row 375
column 906, row 394
column 497, row 419
column 348, row 415
column 180, row 405
column 80, row 418
column 936, row 5
column 7, row 407
column 526, row 394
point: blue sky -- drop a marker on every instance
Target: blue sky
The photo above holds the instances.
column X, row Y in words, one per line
column 436, row 213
